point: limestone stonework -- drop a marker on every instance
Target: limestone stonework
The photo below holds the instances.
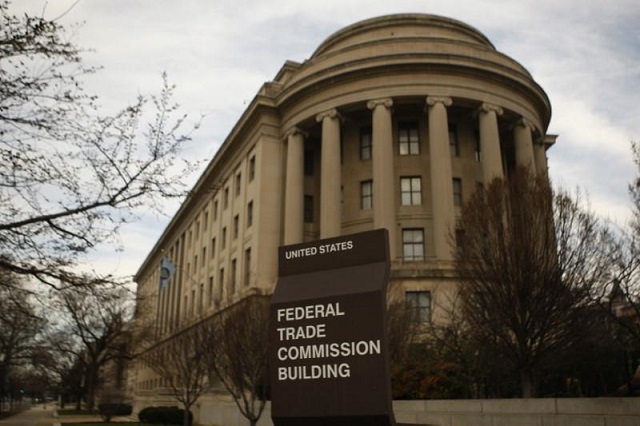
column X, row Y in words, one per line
column 392, row 122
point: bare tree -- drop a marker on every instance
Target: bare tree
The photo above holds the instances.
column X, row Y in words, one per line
column 69, row 175
column 182, row 364
column 529, row 257
column 20, row 327
column 239, row 354
column 624, row 295
column 96, row 330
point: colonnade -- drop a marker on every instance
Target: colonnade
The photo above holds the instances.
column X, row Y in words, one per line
column 384, row 186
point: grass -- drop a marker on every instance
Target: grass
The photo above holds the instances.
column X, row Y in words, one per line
column 74, row 412
column 112, row 423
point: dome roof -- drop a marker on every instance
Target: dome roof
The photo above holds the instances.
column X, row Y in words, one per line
column 402, row 26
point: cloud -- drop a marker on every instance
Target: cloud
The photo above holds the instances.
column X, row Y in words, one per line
column 585, row 55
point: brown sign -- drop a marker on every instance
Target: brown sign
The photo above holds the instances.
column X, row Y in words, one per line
column 329, row 363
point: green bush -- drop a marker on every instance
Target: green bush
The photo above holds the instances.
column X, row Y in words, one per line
column 109, row 410
column 163, row 415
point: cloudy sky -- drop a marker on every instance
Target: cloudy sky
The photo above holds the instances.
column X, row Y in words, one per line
column 585, row 54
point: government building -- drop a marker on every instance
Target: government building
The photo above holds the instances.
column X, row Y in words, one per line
column 393, row 122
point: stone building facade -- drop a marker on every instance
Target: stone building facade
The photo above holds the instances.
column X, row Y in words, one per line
column 392, row 122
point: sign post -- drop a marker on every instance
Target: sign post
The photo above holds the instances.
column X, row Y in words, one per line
column 329, row 363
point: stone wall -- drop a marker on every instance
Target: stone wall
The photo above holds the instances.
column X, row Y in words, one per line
column 214, row 410
column 521, row 412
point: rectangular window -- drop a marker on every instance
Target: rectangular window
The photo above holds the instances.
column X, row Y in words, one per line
column 195, row 263
column 309, row 162
column 211, row 290
column 408, row 139
column 232, row 279
column 215, row 210
column 247, row 267
column 223, row 243
column 193, row 302
column 365, row 143
column 308, row 209
column 413, row 245
column 252, row 168
column 476, row 135
column 225, row 198
column 454, row 147
column 201, row 299
column 457, row 192
column 206, row 220
column 238, row 184
column 204, row 255
column 249, row 214
column 459, row 241
column 220, row 283
column 236, row 226
column 411, row 191
column 213, row 247
column 366, row 195
column 418, row 304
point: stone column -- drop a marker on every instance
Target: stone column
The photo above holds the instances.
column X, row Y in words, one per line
column 441, row 176
column 540, row 153
column 524, row 144
column 490, row 155
column 384, row 203
column 294, row 188
column 330, row 175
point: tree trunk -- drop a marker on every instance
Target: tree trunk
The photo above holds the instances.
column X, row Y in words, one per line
column 90, row 386
column 526, row 383
column 185, row 417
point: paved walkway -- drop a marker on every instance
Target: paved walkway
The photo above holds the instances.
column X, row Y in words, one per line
column 35, row 416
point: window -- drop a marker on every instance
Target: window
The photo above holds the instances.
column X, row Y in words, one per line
column 418, row 304
column 249, row 214
column 454, row 147
column 366, row 195
column 236, row 226
column 457, row 192
column 213, row 247
column 247, row 266
column 411, row 191
column 232, row 280
column 193, row 302
column 408, row 140
column 476, row 134
column 211, row 290
column 215, row 210
column 252, row 168
column 204, row 255
column 195, row 263
column 238, row 184
column 365, row 143
column 201, row 299
column 459, row 241
column 223, row 243
column 413, row 245
column 206, row 220
column 225, row 198
column 220, row 283
column 309, row 162
column 308, row 209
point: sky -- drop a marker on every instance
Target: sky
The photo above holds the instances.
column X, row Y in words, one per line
column 584, row 54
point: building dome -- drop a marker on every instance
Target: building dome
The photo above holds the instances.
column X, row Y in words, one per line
column 437, row 55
